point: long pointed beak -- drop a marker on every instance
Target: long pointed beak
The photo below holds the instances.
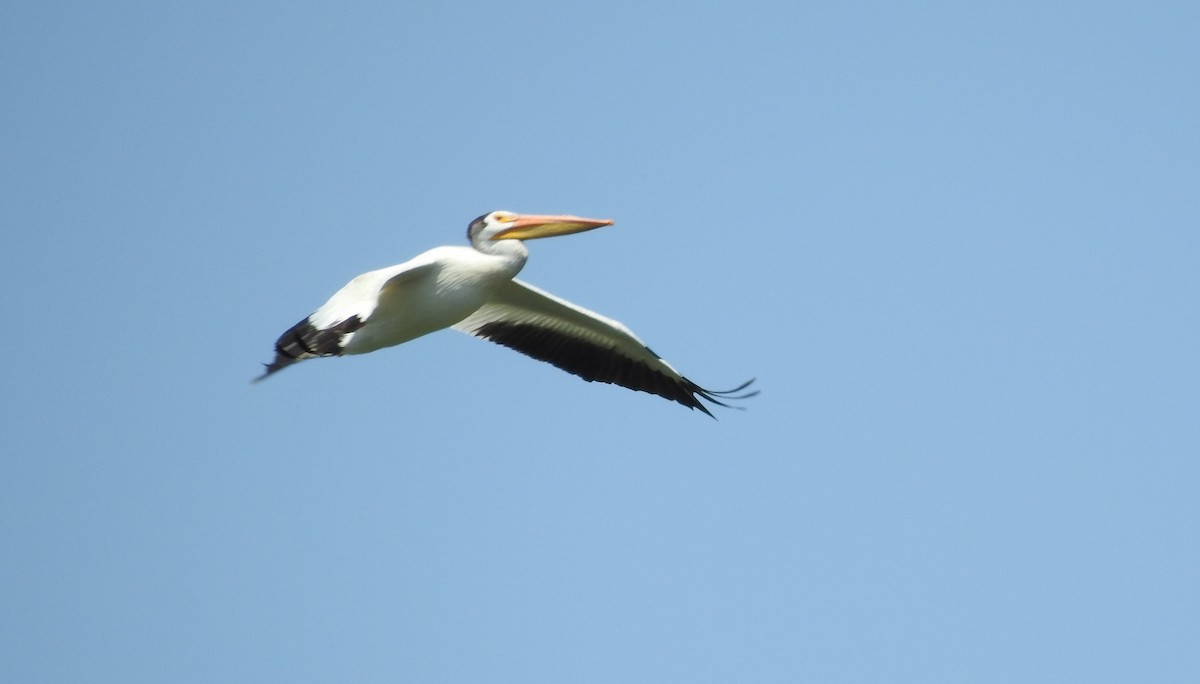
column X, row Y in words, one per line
column 531, row 226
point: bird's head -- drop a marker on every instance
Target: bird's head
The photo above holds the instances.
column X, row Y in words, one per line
column 506, row 225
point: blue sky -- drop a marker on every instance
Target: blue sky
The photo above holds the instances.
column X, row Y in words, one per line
column 957, row 245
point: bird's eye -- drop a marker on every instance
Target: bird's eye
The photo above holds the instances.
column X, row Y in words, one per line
column 505, row 218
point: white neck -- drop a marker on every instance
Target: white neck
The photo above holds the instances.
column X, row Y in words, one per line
column 514, row 252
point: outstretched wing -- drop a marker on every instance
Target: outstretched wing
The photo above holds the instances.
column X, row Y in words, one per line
column 329, row 330
column 582, row 342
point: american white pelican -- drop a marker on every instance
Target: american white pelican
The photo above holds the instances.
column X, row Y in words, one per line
column 474, row 291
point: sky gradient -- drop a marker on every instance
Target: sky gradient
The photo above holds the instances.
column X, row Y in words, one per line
column 957, row 245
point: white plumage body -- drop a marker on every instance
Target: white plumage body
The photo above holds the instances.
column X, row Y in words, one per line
column 430, row 292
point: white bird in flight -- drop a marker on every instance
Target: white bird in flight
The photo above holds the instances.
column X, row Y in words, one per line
column 473, row 290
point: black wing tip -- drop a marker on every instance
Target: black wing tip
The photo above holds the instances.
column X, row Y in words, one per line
column 729, row 393
column 306, row 341
column 272, row 368
column 719, row 397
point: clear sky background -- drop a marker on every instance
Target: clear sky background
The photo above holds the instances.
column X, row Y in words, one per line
column 957, row 244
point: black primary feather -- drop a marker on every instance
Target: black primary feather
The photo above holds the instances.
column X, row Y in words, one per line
column 305, row 341
column 596, row 363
